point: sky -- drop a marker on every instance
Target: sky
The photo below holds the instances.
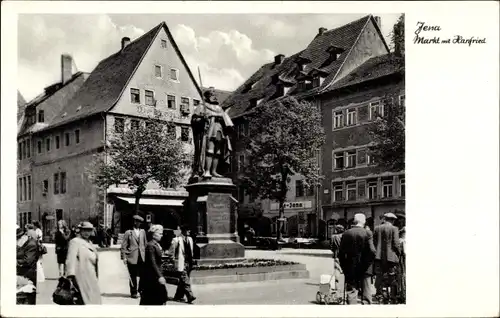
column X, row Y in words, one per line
column 228, row 48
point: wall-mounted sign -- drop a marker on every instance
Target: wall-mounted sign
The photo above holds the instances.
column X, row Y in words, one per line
column 326, row 191
column 293, row 205
column 165, row 115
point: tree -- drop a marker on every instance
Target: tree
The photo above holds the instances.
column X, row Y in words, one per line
column 142, row 154
column 388, row 136
column 398, row 36
column 281, row 142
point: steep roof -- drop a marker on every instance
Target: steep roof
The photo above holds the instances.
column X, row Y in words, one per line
column 375, row 67
column 262, row 84
column 108, row 80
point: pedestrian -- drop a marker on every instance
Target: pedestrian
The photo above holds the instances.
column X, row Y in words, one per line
column 27, row 253
column 356, row 253
column 386, row 241
column 62, row 237
column 38, row 235
column 153, row 283
column 133, row 253
column 82, row 266
column 182, row 249
column 337, row 269
column 402, row 262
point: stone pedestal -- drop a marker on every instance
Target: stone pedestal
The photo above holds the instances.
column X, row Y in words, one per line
column 211, row 209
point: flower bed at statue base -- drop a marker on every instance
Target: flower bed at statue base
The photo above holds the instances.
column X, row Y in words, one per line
column 246, row 271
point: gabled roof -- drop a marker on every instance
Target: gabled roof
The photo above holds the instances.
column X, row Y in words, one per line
column 375, row 67
column 105, row 85
column 20, row 105
column 264, row 80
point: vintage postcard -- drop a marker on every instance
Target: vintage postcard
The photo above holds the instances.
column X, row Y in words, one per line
column 250, row 159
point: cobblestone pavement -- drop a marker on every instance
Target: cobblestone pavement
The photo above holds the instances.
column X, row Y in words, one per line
column 114, row 281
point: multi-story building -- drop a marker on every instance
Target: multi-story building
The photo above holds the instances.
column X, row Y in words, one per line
column 330, row 58
column 148, row 76
column 353, row 182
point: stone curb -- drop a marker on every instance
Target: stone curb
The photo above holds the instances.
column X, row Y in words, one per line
column 296, row 274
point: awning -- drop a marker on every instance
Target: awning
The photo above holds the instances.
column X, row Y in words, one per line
column 205, row 197
column 148, row 201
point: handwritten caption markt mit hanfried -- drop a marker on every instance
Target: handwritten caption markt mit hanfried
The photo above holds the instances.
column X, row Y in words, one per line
column 421, row 38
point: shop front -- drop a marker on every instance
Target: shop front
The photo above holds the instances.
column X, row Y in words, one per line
column 299, row 219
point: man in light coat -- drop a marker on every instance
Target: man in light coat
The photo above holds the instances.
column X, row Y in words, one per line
column 182, row 249
column 133, row 253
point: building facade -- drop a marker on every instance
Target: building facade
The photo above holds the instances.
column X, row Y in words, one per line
column 353, row 182
column 145, row 77
column 312, row 74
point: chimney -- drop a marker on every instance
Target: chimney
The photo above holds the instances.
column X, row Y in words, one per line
column 278, row 59
column 321, row 30
column 379, row 21
column 66, row 68
column 125, row 42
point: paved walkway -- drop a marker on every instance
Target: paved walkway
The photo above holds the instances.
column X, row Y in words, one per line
column 113, row 278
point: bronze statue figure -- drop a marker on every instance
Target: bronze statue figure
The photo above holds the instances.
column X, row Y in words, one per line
column 210, row 124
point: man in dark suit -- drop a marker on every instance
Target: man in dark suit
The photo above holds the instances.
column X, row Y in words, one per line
column 386, row 241
column 356, row 253
column 27, row 258
column 133, row 253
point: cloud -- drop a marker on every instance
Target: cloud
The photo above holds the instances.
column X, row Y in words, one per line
column 43, row 38
column 274, row 27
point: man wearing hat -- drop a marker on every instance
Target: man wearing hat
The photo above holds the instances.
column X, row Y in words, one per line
column 182, row 248
column 133, row 253
column 386, row 241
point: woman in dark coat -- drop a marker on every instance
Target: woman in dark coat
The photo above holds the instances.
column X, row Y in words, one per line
column 153, row 286
column 62, row 237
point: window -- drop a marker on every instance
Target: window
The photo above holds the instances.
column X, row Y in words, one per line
column 351, row 159
column 41, row 116
column 58, row 142
column 163, row 44
column 63, row 182
column 387, row 188
column 317, row 81
column 28, row 217
column 171, row 101
column 19, row 151
column 241, row 162
column 184, row 105
column 158, row 71
column 369, row 159
column 39, row 146
column 135, row 96
column 338, row 160
column 299, row 188
column 351, row 191
column 338, row 119
column 23, row 149
column 28, row 148
column 29, row 187
column 372, row 190
column 402, row 187
column 402, row 100
column 67, row 140
column 150, row 98
column 174, row 74
column 338, row 194
column 376, row 109
column 134, row 124
column 196, row 102
column 184, row 133
column 119, row 125
column 77, row 136
column 241, row 130
column 56, row 183
column 352, row 117
column 47, row 144
column 45, row 186
column 25, row 196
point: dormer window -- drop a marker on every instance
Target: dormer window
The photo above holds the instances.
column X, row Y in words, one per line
column 41, row 117
column 334, row 52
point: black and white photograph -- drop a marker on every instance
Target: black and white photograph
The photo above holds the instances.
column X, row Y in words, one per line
column 194, row 159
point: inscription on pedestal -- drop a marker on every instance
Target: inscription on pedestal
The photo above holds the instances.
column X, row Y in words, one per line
column 218, row 213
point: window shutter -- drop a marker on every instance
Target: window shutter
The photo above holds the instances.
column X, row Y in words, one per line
column 363, row 113
column 361, row 189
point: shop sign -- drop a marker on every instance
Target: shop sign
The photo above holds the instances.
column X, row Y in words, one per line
column 298, row 205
